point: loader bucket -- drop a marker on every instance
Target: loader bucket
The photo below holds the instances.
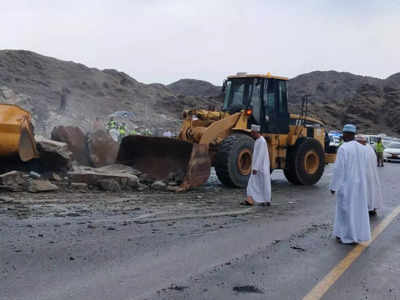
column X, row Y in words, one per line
column 159, row 157
column 16, row 133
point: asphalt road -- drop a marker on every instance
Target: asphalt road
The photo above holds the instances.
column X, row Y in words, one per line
column 198, row 245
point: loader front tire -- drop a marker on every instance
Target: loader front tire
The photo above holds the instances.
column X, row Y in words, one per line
column 233, row 160
column 305, row 162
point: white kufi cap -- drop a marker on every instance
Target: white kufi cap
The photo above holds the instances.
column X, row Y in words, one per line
column 255, row 128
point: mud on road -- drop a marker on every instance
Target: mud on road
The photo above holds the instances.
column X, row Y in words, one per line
column 70, row 237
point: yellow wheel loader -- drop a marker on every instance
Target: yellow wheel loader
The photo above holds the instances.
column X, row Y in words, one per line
column 16, row 133
column 297, row 144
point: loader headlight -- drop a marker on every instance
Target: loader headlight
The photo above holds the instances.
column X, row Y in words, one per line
column 248, row 112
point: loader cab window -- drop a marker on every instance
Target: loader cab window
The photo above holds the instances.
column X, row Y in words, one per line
column 238, row 93
column 269, row 97
column 282, row 96
column 275, row 106
column 255, row 101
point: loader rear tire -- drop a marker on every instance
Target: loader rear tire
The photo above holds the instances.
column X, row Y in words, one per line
column 233, row 160
column 305, row 162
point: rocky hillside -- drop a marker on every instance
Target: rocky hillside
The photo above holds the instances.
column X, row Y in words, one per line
column 63, row 93
column 328, row 86
column 66, row 93
column 193, row 87
column 372, row 104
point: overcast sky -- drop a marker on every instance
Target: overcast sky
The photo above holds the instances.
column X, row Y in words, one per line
column 165, row 40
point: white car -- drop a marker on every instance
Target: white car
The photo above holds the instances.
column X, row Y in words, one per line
column 392, row 152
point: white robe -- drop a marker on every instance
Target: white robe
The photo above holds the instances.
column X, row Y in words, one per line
column 259, row 186
column 375, row 197
column 349, row 181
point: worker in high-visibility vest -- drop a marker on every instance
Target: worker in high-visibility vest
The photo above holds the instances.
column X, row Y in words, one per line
column 379, row 152
column 133, row 132
column 122, row 130
column 111, row 124
column 147, row 132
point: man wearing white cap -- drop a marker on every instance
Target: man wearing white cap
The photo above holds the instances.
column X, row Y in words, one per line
column 259, row 186
column 349, row 182
column 375, row 197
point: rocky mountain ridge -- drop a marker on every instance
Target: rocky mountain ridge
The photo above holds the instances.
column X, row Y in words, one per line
column 66, row 93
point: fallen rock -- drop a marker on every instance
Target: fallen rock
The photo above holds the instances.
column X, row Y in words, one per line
column 38, row 185
column 142, row 187
column 53, row 155
column 172, row 188
column 103, row 150
column 79, row 186
column 109, row 185
column 56, row 177
column 147, row 179
column 159, row 186
column 93, row 176
column 118, row 168
column 76, row 141
column 13, row 181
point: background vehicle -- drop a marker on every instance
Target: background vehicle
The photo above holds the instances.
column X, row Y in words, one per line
column 372, row 139
column 297, row 144
column 392, row 152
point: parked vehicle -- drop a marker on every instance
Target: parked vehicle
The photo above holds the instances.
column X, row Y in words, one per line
column 372, row 139
column 392, row 152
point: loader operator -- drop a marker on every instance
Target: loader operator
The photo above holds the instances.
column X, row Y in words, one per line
column 259, row 186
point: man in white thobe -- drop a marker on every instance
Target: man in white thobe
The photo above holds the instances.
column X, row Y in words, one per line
column 349, row 182
column 259, row 185
column 375, row 196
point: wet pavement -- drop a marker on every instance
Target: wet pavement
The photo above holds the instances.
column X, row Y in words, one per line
column 197, row 245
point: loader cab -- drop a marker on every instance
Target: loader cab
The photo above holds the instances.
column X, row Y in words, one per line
column 265, row 95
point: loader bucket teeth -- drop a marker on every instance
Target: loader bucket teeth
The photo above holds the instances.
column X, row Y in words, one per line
column 198, row 169
column 159, row 157
column 27, row 146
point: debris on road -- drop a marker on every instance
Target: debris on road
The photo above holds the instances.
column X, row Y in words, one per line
column 37, row 186
column 13, row 181
column 101, row 178
column 247, row 289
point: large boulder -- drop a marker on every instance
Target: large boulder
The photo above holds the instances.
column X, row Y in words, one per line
column 38, row 185
column 53, row 155
column 103, row 150
column 76, row 140
column 102, row 179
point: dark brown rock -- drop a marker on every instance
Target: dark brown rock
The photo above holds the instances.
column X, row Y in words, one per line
column 103, row 150
column 76, row 141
